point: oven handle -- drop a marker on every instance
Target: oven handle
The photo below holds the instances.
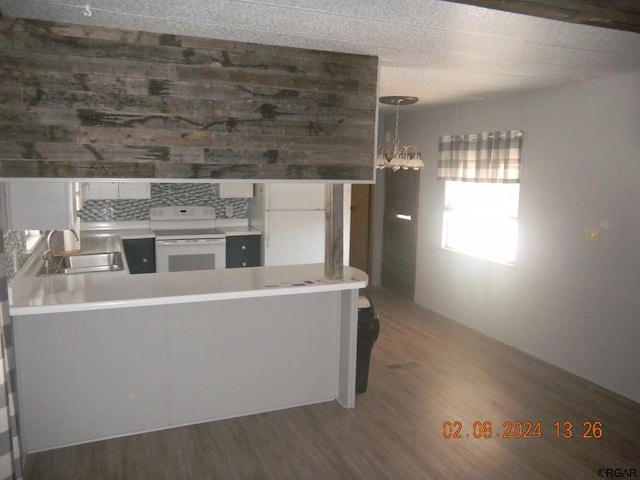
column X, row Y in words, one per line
column 196, row 242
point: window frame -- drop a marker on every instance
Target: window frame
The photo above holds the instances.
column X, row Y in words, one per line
column 32, row 239
column 481, row 214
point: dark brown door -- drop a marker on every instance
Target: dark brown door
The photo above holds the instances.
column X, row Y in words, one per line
column 359, row 246
column 400, row 231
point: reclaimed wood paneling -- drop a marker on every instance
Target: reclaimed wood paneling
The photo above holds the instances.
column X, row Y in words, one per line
column 334, row 221
column 619, row 15
column 94, row 102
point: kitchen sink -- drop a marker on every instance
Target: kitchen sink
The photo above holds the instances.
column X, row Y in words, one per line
column 84, row 263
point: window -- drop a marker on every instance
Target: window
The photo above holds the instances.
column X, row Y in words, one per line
column 31, row 239
column 481, row 219
column 482, row 174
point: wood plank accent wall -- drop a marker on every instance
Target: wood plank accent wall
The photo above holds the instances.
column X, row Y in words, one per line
column 620, row 15
column 93, row 102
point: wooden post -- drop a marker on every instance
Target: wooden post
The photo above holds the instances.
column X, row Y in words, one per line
column 333, row 248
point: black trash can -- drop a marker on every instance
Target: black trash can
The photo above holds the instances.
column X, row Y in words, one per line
column 368, row 331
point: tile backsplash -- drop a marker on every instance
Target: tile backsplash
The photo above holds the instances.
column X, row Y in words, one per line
column 15, row 252
column 164, row 195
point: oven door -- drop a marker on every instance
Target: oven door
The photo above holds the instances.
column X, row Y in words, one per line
column 190, row 254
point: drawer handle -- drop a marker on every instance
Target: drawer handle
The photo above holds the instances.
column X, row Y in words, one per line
column 244, row 247
column 244, row 264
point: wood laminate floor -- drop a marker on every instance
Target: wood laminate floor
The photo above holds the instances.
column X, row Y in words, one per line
column 425, row 370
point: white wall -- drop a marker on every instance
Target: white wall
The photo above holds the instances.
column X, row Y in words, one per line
column 572, row 303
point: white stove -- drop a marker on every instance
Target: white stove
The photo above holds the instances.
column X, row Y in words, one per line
column 186, row 239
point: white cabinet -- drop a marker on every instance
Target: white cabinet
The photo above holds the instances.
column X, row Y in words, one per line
column 3, row 208
column 134, row 190
column 41, row 205
column 115, row 190
column 236, row 190
column 99, row 190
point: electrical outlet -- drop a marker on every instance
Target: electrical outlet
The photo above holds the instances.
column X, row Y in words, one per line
column 593, row 234
column 229, row 211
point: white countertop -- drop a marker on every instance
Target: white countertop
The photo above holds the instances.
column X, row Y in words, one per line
column 96, row 291
column 236, row 231
column 143, row 230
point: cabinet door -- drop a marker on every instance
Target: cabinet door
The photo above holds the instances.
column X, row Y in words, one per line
column 243, row 251
column 40, row 205
column 235, row 190
column 134, row 190
column 99, row 190
column 141, row 254
column 115, row 190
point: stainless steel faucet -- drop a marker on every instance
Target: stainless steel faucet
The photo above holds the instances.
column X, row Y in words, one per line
column 47, row 256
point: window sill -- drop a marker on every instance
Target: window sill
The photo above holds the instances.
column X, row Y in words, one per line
column 480, row 257
column 31, row 242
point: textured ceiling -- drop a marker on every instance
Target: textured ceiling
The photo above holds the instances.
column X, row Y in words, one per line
column 439, row 51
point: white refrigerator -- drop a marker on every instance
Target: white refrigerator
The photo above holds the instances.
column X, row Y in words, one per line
column 292, row 219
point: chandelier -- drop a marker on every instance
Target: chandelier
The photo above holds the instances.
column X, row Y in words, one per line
column 396, row 156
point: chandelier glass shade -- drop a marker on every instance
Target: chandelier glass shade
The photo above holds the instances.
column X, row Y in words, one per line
column 396, row 156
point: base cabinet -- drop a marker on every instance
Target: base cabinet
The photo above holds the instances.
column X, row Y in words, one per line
column 243, row 251
column 141, row 254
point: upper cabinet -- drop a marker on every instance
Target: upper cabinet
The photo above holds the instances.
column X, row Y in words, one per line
column 87, row 104
column 235, row 190
column 115, row 190
column 41, row 205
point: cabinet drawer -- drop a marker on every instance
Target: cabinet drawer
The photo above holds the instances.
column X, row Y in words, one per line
column 243, row 251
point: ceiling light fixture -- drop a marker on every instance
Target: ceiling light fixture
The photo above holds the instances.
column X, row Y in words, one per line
column 396, row 156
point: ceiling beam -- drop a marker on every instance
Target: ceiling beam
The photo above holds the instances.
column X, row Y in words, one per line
column 616, row 14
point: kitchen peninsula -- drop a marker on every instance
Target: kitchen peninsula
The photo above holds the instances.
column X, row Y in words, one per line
column 109, row 354
column 106, row 354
